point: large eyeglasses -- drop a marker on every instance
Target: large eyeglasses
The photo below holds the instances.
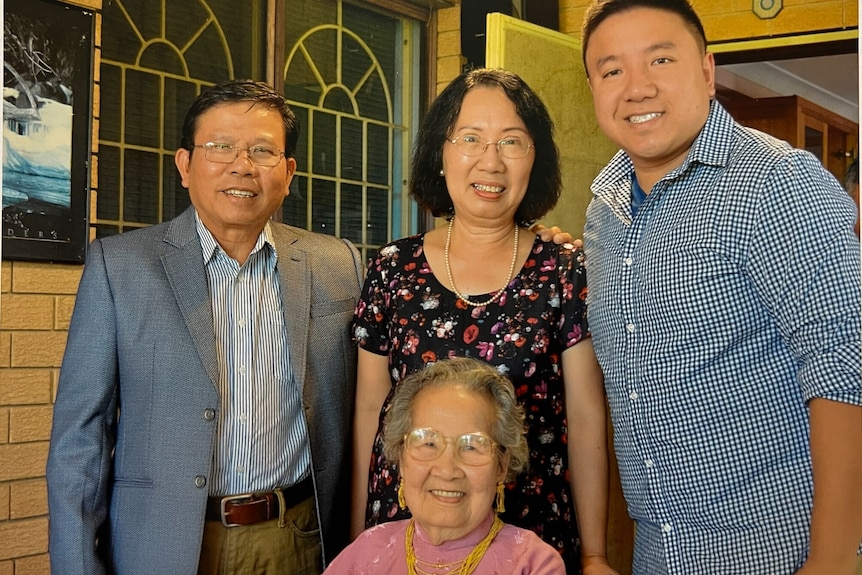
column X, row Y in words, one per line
column 427, row 444
column 471, row 145
column 222, row 153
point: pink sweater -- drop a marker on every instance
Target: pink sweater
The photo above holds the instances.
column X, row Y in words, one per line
column 514, row 551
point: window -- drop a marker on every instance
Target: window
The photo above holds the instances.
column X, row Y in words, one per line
column 348, row 75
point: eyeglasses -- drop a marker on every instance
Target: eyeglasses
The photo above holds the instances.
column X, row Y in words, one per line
column 427, row 444
column 222, row 153
column 472, row 145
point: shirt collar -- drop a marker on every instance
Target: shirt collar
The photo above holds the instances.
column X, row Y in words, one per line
column 210, row 247
column 712, row 146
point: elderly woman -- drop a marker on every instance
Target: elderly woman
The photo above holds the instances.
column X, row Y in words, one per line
column 485, row 286
column 457, row 433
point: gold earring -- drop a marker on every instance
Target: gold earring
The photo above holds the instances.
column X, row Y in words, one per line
column 401, row 502
column 500, row 496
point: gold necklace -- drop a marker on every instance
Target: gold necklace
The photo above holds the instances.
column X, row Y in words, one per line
column 464, row 298
column 468, row 564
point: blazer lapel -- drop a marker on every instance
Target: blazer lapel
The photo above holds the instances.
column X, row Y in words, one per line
column 294, row 278
column 184, row 268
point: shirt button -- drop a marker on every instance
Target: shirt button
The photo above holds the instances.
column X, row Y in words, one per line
column 633, row 395
column 243, row 418
column 649, row 463
column 200, row 481
column 242, row 369
column 627, row 261
column 209, row 414
column 666, row 528
column 240, row 469
column 241, row 322
column 630, row 328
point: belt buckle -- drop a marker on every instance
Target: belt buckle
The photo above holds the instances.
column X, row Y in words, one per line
column 228, row 499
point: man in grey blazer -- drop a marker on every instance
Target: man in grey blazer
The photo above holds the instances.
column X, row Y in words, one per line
column 203, row 410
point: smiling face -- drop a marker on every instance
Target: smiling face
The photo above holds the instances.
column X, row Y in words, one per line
column 651, row 84
column 488, row 186
column 235, row 200
column 446, row 497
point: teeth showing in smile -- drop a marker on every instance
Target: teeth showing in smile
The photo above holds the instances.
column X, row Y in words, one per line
column 239, row 193
column 440, row 493
column 492, row 189
column 644, row 118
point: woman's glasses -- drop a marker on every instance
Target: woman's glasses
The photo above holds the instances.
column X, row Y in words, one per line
column 471, row 145
column 427, row 444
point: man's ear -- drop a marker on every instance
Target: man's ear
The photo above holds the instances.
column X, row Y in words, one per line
column 182, row 157
column 709, row 72
column 290, row 164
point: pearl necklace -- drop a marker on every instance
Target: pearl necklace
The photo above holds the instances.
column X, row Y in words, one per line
column 461, row 296
column 468, row 564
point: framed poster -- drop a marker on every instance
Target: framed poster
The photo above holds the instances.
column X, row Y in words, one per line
column 47, row 107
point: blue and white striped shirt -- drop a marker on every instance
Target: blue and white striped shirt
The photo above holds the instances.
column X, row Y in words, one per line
column 261, row 434
column 718, row 310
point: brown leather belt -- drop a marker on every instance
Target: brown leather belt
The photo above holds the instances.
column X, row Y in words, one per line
column 249, row 508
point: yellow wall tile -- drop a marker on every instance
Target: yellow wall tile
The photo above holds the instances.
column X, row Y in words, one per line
column 28, row 498
column 28, row 424
column 449, row 19
column 447, row 69
column 64, row 305
column 33, row 565
column 38, row 348
column 5, row 276
column 31, row 277
column 23, row 461
column 26, row 311
column 26, row 386
column 4, row 500
column 5, row 349
column 449, row 44
column 24, row 537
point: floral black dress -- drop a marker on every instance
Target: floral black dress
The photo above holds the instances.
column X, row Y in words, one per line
column 406, row 313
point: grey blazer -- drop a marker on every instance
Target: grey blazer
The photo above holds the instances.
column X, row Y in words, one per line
column 132, row 440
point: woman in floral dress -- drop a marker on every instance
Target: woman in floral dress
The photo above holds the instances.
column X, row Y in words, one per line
column 486, row 160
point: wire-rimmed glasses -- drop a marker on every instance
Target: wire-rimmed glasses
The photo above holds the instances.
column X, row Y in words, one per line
column 513, row 148
column 222, row 153
column 427, row 444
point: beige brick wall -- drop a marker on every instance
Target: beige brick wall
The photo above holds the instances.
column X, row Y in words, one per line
column 36, row 302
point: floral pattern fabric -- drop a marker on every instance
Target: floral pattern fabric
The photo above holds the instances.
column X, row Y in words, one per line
column 406, row 313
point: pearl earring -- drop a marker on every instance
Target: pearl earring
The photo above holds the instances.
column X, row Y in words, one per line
column 442, row 173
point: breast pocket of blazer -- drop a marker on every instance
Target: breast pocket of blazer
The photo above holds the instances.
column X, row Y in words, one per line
column 333, row 307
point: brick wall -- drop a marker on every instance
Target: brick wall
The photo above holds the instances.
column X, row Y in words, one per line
column 35, row 307
column 36, row 302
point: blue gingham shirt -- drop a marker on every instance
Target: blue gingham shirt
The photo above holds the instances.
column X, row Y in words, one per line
column 726, row 302
column 261, row 434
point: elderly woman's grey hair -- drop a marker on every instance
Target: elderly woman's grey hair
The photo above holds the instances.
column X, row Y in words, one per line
column 470, row 375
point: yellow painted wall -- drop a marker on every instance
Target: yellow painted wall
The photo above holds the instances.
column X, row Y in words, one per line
column 726, row 20
column 36, row 302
